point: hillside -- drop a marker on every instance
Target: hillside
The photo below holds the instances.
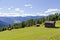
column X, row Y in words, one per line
column 32, row 33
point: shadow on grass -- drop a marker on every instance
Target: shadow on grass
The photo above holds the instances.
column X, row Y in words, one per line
column 57, row 27
column 53, row 27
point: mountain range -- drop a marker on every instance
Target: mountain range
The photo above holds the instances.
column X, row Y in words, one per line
column 10, row 20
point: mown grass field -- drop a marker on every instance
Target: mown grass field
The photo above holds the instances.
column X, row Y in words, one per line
column 32, row 33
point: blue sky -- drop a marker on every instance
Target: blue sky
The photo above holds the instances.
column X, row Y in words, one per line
column 28, row 7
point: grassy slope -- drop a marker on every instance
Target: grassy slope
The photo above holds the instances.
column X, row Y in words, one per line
column 32, row 33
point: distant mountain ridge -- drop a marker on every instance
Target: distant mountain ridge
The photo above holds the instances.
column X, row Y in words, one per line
column 10, row 20
column 3, row 24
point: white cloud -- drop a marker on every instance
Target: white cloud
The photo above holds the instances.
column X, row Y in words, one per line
column 19, row 14
column 28, row 5
column 41, row 14
column 9, row 8
column 7, row 14
column 19, row 10
column 12, row 7
column 52, row 10
column 0, row 8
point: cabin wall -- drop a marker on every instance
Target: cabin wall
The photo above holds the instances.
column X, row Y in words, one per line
column 49, row 25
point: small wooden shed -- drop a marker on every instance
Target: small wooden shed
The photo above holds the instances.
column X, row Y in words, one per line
column 50, row 24
column 9, row 28
column 37, row 25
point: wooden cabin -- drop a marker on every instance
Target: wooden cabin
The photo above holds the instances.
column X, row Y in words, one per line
column 50, row 24
column 37, row 25
column 9, row 28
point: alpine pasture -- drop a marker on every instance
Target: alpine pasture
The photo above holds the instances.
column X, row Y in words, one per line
column 32, row 33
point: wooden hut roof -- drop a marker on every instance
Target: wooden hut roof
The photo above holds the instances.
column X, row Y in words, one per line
column 37, row 24
column 49, row 21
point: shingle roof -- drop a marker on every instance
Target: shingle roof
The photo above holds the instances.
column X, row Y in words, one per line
column 49, row 21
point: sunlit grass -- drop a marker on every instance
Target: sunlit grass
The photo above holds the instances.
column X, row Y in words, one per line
column 32, row 33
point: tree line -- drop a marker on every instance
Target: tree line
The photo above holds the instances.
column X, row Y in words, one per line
column 32, row 22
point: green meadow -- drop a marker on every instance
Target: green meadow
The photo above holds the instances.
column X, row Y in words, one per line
column 32, row 33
